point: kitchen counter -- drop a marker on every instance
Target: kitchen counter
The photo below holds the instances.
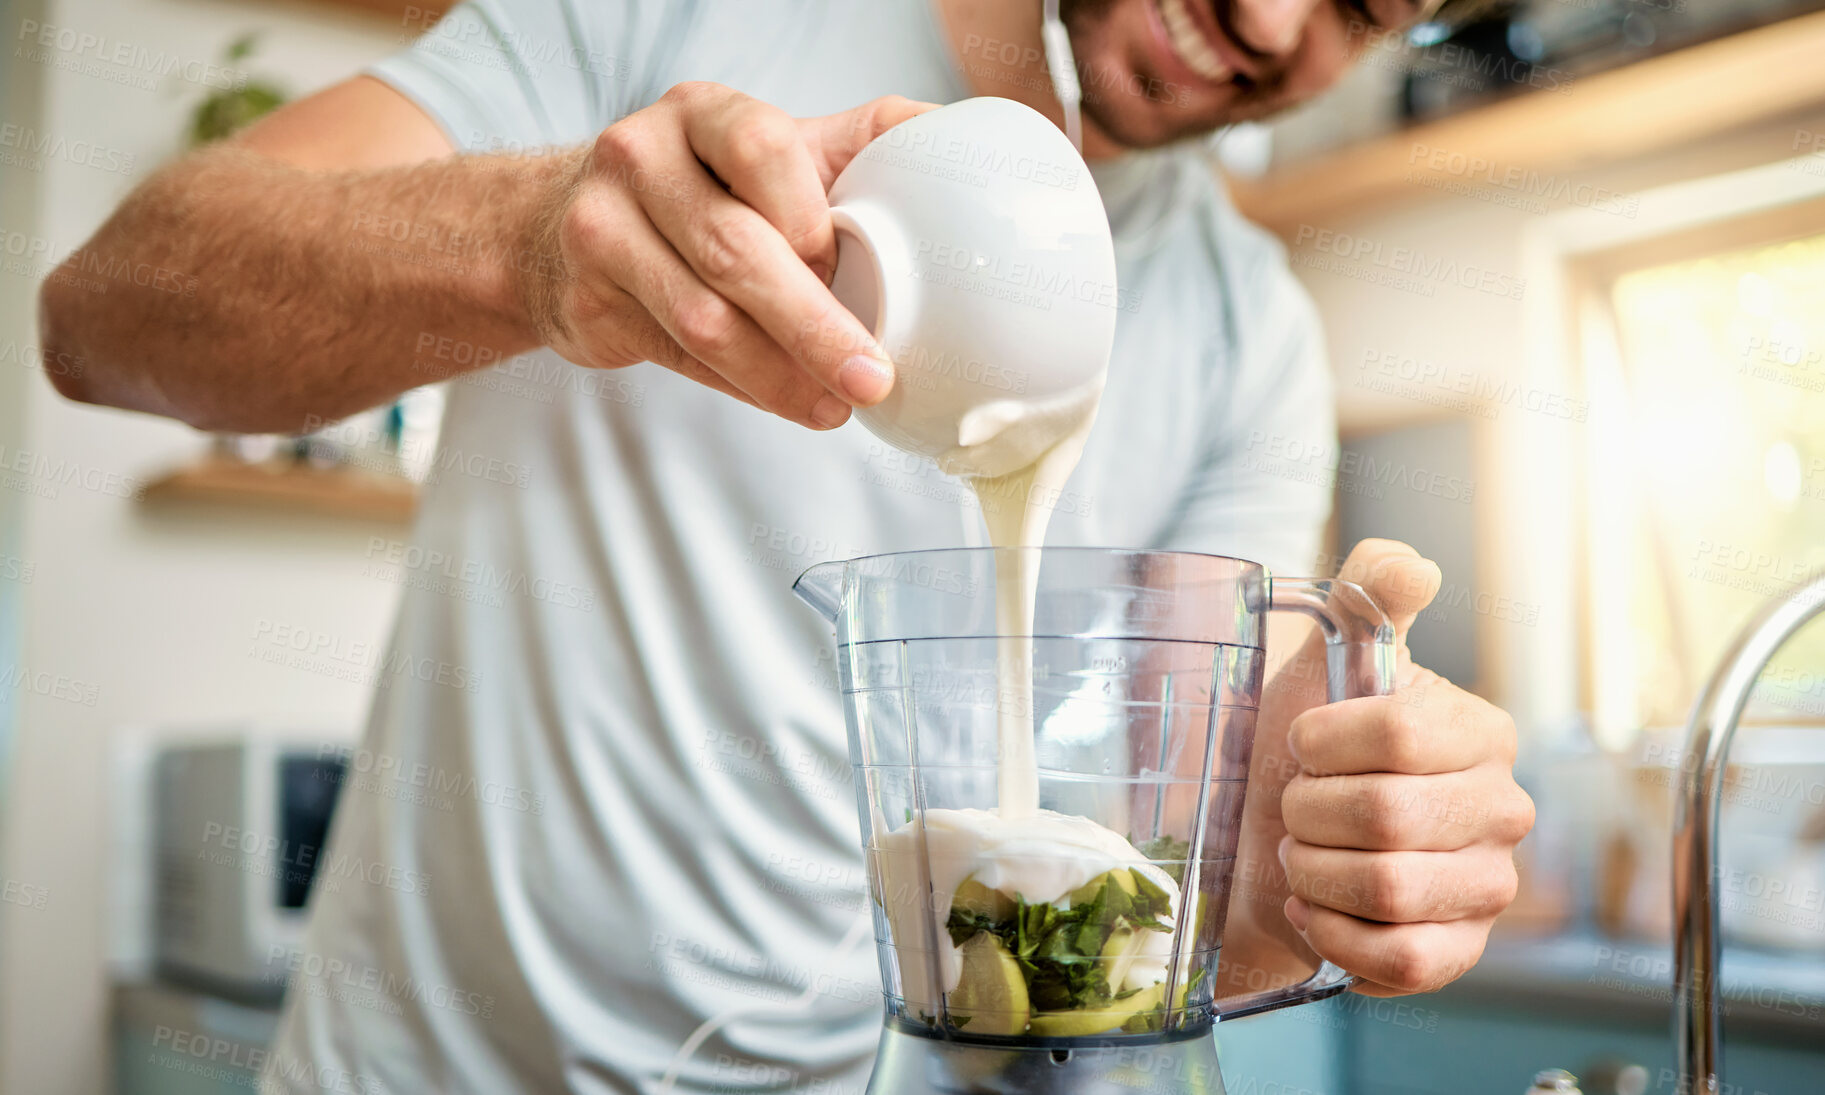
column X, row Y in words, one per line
column 1590, row 1004
column 1769, row 995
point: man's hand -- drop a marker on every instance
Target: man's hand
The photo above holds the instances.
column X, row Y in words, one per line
column 1393, row 818
column 696, row 233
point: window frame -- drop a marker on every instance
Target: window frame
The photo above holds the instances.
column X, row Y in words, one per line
column 1575, row 258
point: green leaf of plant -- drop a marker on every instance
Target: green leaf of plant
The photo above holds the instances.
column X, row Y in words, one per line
column 1169, row 852
column 227, row 110
column 1151, row 1020
column 1157, row 901
column 1116, row 903
column 1059, row 950
column 1093, row 928
column 964, row 925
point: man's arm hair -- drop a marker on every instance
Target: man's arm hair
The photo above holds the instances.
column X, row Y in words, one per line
column 293, row 273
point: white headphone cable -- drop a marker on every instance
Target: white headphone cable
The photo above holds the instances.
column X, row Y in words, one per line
column 1062, row 64
column 717, row 1022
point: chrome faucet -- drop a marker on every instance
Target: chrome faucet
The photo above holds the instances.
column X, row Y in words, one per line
column 1696, row 1010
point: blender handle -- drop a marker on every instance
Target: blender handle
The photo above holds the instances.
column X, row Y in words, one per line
column 1358, row 639
column 1359, row 661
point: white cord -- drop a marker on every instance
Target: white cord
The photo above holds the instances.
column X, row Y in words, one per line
column 717, row 1022
column 1062, row 63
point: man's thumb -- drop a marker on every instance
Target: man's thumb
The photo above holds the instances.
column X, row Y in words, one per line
column 1395, row 577
column 835, row 139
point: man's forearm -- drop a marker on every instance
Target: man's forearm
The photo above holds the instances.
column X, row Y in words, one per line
column 295, row 295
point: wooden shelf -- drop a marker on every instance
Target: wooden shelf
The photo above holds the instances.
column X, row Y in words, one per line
column 1639, row 109
column 418, row 17
column 298, row 488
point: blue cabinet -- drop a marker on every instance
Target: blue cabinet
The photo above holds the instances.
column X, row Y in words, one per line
column 171, row 1041
column 1577, row 1002
column 1478, row 1049
column 1294, row 1051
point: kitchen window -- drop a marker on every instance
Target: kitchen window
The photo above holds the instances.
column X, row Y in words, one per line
column 1704, row 470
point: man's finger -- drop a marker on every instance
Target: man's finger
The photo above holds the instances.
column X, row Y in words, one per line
column 757, row 151
column 743, row 258
column 1401, row 887
column 1387, row 813
column 700, row 328
column 1397, row 578
column 1402, row 958
column 1430, row 726
column 835, row 139
column 624, row 332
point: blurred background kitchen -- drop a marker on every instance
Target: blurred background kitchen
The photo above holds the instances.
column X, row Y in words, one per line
column 1570, row 256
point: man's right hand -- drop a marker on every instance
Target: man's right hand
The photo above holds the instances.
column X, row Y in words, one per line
column 696, row 233
column 325, row 247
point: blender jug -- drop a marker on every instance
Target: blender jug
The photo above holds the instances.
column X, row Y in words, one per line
column 1073, row 949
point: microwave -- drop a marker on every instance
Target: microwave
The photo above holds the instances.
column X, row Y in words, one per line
column 238, row 832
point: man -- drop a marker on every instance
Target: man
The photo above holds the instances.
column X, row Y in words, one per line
column 638, row 815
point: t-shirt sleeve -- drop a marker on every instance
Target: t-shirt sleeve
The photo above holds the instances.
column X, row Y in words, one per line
column 1263, row 486
column 512, row 74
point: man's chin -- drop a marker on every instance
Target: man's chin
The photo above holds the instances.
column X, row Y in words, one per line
column 1129, row 102
column 1140, row 124
column 1136, row 106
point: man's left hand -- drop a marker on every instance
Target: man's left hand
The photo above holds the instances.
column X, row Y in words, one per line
column 1402, row 815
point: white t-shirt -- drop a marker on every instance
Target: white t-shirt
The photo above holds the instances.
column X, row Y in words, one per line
column 612, row 798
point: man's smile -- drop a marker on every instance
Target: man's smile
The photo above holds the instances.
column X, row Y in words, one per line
column 1189, row 42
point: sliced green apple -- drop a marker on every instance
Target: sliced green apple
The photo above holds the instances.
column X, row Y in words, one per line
column 1138, row 881
column 973, row 897
column 991, row 996
column 1143, row 1022
column 1086, row 1021
column 1119, row 952
column 1121, row 876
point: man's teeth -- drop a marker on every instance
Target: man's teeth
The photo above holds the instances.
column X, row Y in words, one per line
column 1189, row 42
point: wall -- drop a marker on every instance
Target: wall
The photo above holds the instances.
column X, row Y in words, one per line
column 1448, row 304
column 21, row 103
column 1381, row 333
column 152, row 615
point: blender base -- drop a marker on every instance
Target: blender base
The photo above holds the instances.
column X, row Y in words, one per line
column 915, row 1061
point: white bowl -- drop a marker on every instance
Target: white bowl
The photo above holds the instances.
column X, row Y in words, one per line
column 972, row 242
